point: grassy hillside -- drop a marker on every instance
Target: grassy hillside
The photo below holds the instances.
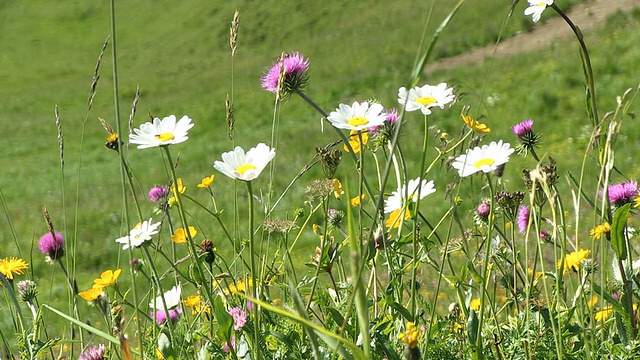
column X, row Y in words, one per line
column 178, row 54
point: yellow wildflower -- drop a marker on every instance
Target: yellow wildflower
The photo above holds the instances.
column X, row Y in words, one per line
column 180, row 189
column 357, row 200
column 354, row 140
column 337, row 188
column 573, row 261
column 593, row 301
column 475, row 304
column 12, row 265
column 206, row 182
column 600, row 230
column 91, row 294
column 107, row 278
column 180, row 236
column 475, row 125
column 195, row 302
column 602, row 315
column 394, row 220
column 410, row 335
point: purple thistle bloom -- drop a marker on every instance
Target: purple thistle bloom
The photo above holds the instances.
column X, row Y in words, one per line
column 161, row 315
column 295, row 73
column 523, row 129
column 239, row 317
column 622, row 193
column 544, row 235
column 93, row 353
column 157, row 193
column 52, row 246
column 483, row 210
column 523, row 218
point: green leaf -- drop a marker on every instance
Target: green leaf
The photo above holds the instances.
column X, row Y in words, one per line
column 225, row 321
column 477, row 278
column 472, row 326
column 618, row 236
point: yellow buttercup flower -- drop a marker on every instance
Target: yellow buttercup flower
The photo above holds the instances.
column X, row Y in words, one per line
column 181, row 189
column 337, row 188
column 206, row 182
column 600, row 230
column 357, row 200
column 180, row 236
column 354, row 140
column 107, row 278
column 12, row 265
column 91, row 294
column 475, row 125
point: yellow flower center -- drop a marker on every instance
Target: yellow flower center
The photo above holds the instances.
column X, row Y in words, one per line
column 113, row 137
column 242, row 169
column 484, row 162
column 165, row 137
column 358, row 121
column 426, row 100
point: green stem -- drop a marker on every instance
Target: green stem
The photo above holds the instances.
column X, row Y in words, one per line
column 254, row 278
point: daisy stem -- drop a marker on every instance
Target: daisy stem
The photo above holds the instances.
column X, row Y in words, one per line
column 256, row 309
column 485, row 272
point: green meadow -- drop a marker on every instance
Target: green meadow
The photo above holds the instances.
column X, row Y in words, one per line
column 178, row 54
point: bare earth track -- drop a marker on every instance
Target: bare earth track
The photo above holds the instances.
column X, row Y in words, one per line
column 587, row 16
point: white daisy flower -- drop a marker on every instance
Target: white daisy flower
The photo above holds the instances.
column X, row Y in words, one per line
column 139, row 234
column 426, row 97
column 246, row 167
column 171, row 298
column 161, row 132
column 536, row 7
column 486, row 158
column 408, row 192
column 358, row 116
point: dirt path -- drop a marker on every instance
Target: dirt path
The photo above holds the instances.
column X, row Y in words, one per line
column 586, row 16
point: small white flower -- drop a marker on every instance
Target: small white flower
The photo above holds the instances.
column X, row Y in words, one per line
column 486, row 158
column 358, row 116
column 246, row 167
column 171, row 298
column 536, row 7
column 426, row 97
column 161, row 132
column 139, row 234
column 408, row 192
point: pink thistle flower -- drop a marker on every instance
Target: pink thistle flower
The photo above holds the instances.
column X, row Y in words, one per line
column 93, row 353
column 157, row 193
column 161, row 315
column 523, row 218
column 622, row 193
column 523, row 129
column 51, row 245
column 483, row 210
column 294, row 74
column 239, row 317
